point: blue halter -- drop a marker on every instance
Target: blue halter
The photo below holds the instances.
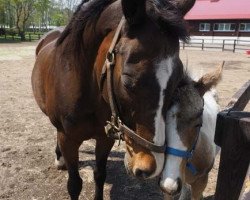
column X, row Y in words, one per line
column 185, row 154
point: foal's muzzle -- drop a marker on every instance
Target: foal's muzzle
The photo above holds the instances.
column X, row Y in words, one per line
column 171, row 187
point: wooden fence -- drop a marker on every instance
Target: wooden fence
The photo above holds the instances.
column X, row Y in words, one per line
column 29, row 37
column 223, row 45
column 233, row 136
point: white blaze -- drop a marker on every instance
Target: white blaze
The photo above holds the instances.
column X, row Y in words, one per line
column 163, row 73
column 172, row 171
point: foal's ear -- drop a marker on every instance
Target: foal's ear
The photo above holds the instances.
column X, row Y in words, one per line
column 134, row 11
column 209, row 80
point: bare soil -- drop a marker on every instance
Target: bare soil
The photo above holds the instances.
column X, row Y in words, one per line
column 27, row 139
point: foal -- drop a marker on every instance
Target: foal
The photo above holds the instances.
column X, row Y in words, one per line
column 190, row 130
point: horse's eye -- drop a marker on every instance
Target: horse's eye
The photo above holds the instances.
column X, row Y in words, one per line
column 128, row 83
column 198, row 125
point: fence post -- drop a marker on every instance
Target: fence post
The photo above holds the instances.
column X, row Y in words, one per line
column 234, row 46
column 202, row 45
column 39, row 36
column 29, row 37
column 13, row 37
column 223, row 45
column 5, row 36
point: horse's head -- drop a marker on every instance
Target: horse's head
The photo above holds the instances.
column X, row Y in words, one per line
column 146, row 72
column 183, row 123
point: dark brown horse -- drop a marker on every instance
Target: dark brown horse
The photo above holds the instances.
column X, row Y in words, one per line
column 79, row 93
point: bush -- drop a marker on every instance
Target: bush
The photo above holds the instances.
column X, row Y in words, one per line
column 11, row 31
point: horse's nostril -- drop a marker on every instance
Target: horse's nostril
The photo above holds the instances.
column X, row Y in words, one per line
column 142, row 173
column 138, row 172
column 179, row 185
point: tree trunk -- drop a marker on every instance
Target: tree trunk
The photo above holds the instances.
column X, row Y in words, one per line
column 22, row 35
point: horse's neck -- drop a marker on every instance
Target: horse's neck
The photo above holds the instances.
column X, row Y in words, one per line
column 211, row 108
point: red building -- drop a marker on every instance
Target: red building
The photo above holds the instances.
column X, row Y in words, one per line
column 217, row 18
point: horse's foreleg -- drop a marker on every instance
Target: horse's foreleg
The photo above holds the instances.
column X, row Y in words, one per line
column 103, row 147
column 69, row 149
column 198, row 187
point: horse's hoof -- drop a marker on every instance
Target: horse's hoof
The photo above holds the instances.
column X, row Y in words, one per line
column 60, row 164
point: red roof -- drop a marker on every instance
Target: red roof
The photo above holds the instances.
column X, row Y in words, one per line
column 219, row 9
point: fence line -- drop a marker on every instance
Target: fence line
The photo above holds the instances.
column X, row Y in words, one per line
column 224, row 45
column 203, row 44
column 29, row 37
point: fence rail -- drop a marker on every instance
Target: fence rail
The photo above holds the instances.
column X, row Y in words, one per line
column 29, row 37
column 203, row 44
column 224, row 45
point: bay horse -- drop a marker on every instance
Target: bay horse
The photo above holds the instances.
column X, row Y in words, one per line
column 117, row 58
column 190, row 129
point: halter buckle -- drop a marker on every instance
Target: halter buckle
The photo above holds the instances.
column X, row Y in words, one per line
column 111, row 58
column 112, row 129
column 191, row 155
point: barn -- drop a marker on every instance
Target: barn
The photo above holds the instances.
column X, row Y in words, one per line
column 220, row 19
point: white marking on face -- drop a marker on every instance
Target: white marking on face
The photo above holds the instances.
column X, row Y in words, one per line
column 172, row 171
column 60, row 163
column 163, row 73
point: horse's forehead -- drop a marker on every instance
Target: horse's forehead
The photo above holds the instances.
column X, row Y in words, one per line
column 151, row 44
column 190, row 102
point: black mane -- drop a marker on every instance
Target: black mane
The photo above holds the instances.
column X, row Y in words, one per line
column 86, row 11
column 163, row 12
column 167, row 16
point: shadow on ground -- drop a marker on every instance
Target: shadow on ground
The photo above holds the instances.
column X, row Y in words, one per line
column 123, row 186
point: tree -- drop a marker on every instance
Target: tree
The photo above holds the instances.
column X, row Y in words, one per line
column 41, row 16
column 23, row 11
column 70, row 5
column 6, row 14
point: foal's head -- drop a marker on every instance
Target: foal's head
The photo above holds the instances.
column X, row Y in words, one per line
column 183, row 123
column 148, row 69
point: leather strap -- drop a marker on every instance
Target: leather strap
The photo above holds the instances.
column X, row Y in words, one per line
column 115, row 128
column 111, row 53
column 141, row 141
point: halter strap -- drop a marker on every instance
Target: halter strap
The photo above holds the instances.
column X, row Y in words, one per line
column 115, row 128
column 111, row 54
column 188, row 155
column 178, row 153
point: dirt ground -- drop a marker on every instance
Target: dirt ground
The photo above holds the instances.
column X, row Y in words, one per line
column 27, row 139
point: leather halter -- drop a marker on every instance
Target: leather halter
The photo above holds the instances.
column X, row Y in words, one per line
column 115, row 128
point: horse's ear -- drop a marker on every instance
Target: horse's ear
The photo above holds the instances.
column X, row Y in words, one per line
column 207, row 81
column 184, row 5
column 134, row 11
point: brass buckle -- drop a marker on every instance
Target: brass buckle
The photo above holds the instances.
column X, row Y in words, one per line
column 112, row 129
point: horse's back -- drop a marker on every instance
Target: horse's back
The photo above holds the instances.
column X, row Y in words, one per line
column 48, row 37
